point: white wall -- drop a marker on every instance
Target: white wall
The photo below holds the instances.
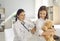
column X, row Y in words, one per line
column 1, row 2
column 56, row 14
column 13, row 5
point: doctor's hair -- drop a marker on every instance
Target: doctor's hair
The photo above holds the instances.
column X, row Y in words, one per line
column 18, row 13
column 43, row 8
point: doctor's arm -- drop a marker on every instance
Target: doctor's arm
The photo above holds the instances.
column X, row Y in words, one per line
column 33, row 30
column 32, row 27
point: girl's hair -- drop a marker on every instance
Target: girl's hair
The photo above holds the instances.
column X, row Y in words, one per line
column 19, row 12
column 43, row 8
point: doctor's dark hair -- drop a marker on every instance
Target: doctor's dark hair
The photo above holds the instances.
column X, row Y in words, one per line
column 18, row 13
column 45, row 9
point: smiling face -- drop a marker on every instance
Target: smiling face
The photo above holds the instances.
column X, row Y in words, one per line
column 21, row 16
column 42, row 14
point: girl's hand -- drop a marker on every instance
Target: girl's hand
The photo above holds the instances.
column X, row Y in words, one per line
column 46, row 33
column 50, row 30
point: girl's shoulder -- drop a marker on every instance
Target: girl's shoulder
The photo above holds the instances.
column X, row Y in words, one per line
column 48, row 20
column 37, row 21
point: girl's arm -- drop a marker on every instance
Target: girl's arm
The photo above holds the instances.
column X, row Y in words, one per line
column 44, row 28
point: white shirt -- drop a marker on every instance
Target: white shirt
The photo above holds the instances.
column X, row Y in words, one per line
column 39, row 24
column 21, row 34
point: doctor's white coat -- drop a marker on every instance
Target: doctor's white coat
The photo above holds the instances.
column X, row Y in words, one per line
column 21, row 34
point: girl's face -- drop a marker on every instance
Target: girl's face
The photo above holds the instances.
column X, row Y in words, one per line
column 21, row 16
column 42, row 14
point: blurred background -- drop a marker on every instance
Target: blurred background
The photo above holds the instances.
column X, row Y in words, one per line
column 8, row 9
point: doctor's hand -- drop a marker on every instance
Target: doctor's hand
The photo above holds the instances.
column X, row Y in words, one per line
column 33, row 30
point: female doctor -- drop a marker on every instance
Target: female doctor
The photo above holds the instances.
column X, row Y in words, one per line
column 22, row 28
column 42, row 16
